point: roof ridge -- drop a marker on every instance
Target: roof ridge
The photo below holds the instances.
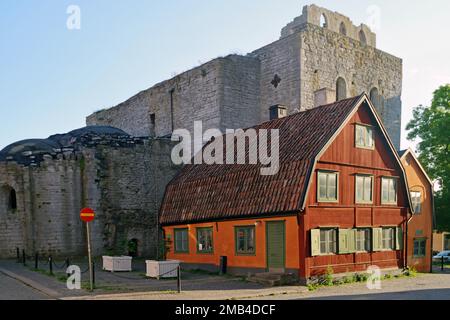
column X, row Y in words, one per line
column 308, row 110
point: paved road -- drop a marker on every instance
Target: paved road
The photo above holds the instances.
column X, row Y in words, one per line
column 11, row 289
column 423, row 287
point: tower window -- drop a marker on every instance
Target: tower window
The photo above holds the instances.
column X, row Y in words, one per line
column 375, row 97
column 342, row 29
column 152, row 119
column 12, row 200
column 152, row 125
column 362, row 38
column 341, row 89
column 323, row 21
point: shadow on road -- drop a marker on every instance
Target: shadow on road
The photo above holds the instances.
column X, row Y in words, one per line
column 432, row 294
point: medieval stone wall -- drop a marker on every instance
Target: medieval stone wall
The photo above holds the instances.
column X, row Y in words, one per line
column 131, row 186
column 240, row 92
column 12, row 221
column 327, row 55
column 124, row 186
column 237, row 91
column 280, row 75
column 190, row 96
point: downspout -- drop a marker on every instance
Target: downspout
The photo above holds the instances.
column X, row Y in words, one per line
column 433, row 227
column 406, row 239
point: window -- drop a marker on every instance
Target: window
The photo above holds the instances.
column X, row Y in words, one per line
column 388, row 239
column 389, row 190
column 205, row 240
column 375, row 97
column 323, row 21
column 245, row 240
column 364, row 137
column 327, row 186
column 342, row 29
column 328, row 241
column 181, row 240
column 364, row 189
column 341, row 89
column 447, row 242
column 420, row 248
column 362, row 38
column 416, row 199
column 12, row 200
column 363, row 240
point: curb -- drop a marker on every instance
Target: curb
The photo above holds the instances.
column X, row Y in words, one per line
column 31, row 283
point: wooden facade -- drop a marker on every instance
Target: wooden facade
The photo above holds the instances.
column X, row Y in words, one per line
column 342, row 156
column 420, row 226
column 383, row 224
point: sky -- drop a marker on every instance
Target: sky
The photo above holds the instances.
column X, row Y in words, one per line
column 52, row 76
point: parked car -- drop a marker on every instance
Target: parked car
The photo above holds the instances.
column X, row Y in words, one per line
column 445, row 254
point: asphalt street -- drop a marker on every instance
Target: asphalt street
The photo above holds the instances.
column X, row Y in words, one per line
column 11, row 289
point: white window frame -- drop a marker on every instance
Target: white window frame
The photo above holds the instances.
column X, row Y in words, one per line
column 331, row 246
column 391, row 239
column 327, row 200
column 389, row 201
column 364, row 176
column 367, row 240
column 366, row 137
column 416, row 204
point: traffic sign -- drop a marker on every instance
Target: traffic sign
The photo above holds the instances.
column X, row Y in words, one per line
column 87, row 215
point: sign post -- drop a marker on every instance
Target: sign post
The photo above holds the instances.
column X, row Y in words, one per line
column 87, row 215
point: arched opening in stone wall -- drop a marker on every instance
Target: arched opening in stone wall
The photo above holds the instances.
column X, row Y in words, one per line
column 12, row 205
column 133, row 249
column 362, row 38
column 341, row 89
column 342, row 29
column 323, row 21
column 375, row 97
column 8, row 199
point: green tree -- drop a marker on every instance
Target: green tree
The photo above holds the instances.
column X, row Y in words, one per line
column 431, row 126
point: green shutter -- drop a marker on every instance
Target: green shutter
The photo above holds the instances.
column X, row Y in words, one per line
column 377, row 244
column 399, row 239
column 352, row 240
column 343, row 241
column 315, row 242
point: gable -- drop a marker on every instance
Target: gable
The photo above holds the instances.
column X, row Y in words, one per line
column 216, row 192
column 343, row 149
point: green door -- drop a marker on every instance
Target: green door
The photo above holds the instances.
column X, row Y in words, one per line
column 275, row 244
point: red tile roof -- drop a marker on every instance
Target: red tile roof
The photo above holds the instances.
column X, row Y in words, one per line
column 216, row 192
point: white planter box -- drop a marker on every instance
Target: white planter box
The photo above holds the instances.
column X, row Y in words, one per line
column 114, row 264
column 162, row 269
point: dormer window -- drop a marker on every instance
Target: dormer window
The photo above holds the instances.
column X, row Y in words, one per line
column 364, row 137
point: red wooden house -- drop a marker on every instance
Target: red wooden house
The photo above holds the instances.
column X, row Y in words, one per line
column 339, row 200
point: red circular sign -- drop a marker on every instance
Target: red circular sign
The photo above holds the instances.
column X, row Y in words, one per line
column 87, row 214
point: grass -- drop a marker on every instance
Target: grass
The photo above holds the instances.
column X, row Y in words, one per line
column 327, row 279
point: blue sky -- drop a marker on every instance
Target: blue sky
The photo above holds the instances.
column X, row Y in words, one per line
column 51, row 78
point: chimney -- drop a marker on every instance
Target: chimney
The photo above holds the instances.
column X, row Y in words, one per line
column 324, row 96
column 277, row 112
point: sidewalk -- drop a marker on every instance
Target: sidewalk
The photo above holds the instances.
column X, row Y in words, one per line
column 134, row 285
column 202, row 294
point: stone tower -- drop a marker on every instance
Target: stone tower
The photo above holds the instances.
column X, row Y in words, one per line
column 319, row 49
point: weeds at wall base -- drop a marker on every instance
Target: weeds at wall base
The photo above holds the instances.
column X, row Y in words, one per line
column 327, row 279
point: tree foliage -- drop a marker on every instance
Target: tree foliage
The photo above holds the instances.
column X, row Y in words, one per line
column 431, row 126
